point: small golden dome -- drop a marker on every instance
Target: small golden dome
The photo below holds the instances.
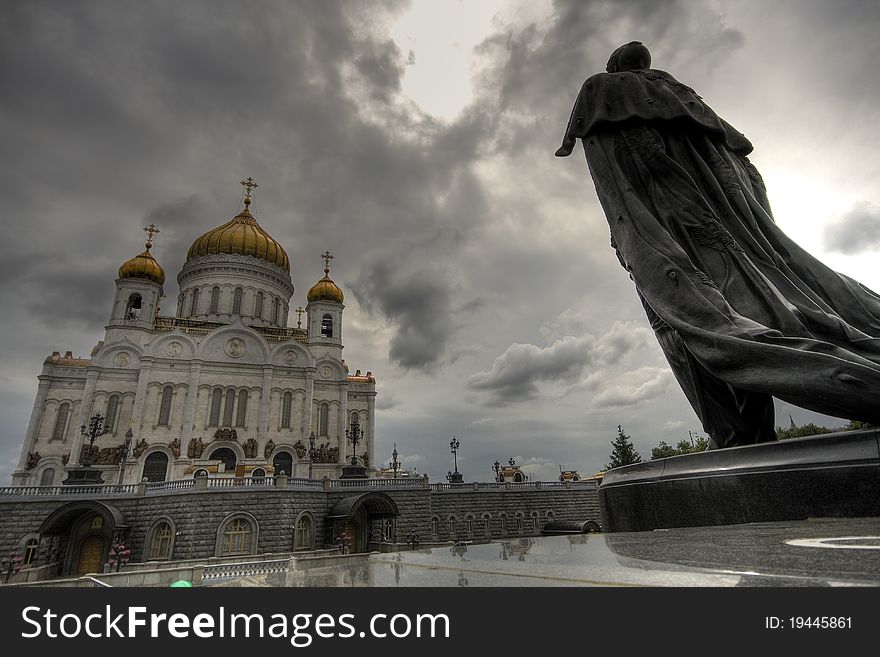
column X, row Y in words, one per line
column 241, row 235
column 326, row 289
column 144, row 265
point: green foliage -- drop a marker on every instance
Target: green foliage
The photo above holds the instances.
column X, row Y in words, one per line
column 801, row 431
column 855, row 425
column 624, row 453
column 693, row 444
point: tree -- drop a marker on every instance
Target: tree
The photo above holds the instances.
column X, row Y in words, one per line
column 803, row 430
column 623, row 453
column 692, row 445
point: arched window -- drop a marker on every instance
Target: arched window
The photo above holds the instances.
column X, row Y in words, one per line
column 215, row 300
column 228, row 407
column 520, row 522
column 534, row 515
column 274, row 315
column 216, row 397
column 165, row 407
column 503, row 523
column 286, row 403
column 550, row 515
column 30, row 551
column 283, row 462
column 110, row 415
column 355, row 418
column 450, row 521
column 236, row 301
column 237, row 536
column 201, row 472
column 305, row 536
column 156, row 466
column 435, row 526
column 323, row 418
column 388, row 530
column 258, row 473
column 469, row 524
column 133, row 308
column 487, row 525
column 518, row 477
column 241, row 415
column 180, row 306
column 327, row 326
column 258, row 305
column 226, row 456
column 159, row 544
column 48, row 477
column 194, row 308
column 60, row 429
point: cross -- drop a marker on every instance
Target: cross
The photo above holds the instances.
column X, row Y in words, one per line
column 299, row 313
column 249, row 186
column 150, row 230
column 327, row 258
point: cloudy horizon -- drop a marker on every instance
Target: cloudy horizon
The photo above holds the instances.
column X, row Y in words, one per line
column 416, row 141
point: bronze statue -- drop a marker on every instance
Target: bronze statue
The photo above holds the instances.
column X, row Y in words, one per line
column 741, row 311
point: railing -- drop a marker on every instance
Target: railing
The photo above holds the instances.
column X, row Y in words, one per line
column 525, row 485
column 226, row 482
column 51, row 491
column 247, row 569
column 203, row 327
column 177, row 484
column 417, row 482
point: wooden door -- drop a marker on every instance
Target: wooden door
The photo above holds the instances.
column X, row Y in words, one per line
column 352, row 530
column 91, row 552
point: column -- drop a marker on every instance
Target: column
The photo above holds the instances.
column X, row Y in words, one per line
column 82, row 417
column 371, row 427
column 36, row 419
column 265, row 398
column 343, row 420
column 189, row 405
column 308, row 403
column 140, row 397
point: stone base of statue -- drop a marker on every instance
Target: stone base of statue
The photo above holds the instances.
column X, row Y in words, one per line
column 455, row 477
column 353, row 471
column 83, row 475
column 834, row 475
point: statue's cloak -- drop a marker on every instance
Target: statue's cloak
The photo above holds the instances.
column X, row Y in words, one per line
column 742, row 312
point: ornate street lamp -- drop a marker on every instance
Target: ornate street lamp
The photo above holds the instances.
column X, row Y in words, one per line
column 454, row 477
column 95, row 428
column 395, row 464
column 354, row 470
column 497, row 468
column 84, row 473
column 126, row 447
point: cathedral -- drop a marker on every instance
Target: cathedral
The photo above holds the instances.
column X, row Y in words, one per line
column 223, row 388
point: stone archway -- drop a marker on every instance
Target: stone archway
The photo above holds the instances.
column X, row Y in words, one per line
column 85, row 530
column 355, row 515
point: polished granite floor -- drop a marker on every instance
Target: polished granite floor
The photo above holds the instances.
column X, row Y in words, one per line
column 823, row 552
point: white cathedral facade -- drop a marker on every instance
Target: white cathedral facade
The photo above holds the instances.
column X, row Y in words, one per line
column 224, row 388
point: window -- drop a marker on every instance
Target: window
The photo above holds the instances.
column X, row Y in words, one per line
column 518, row 477
column 534, row 519
column 180, row 306
column 286, row 403
column 165, row 407
column 469, row 524
column 160, row 542
column 194, row 308
column 156, row 466
column 388, row 530
column 58, row 432
column 435, row 526
column 258, row 305
column 48, row 477
column 503, row 523
column 451, row 525
column 30, row 551
column 550, row 515
column 236, row 537
column 226, row 456
column 520, row 522
column 201, row 472
column 487, row 525
column 214, row 419
column 110, row 415
column 227, row 408
column 258, row 473
column 283, row 462
column 215, row 300
column 305, row 539
column 323, row 418
column 241, row 415
column 133, row 309
column 236, row 301
column 274, row 316
column 327, row 326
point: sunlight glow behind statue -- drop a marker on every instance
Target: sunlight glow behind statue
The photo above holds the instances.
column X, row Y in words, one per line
column 741, row 311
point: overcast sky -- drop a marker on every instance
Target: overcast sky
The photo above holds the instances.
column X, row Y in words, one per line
column 415, row 140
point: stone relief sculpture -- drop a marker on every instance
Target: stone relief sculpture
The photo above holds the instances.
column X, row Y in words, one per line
column 139, row 448
column 226, row 434
column 326, row 454
column 174, row 446
column 741, row 311
column 250, row 448
column 195, row 448
column 103, row 455
column 300, row 449
column 269, row 448
column 32, row 459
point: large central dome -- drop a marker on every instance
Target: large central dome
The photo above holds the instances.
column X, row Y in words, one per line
column 241, row 235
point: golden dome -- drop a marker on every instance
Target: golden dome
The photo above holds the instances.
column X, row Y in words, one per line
column 144, row 265
column 326, row 289
column 242, row 235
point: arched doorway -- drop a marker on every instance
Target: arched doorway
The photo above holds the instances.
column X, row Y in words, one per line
column 283, row 461
column 84, row 531
column 156, row 466
column 91, row 554
column 226, row 456
column 357, row 515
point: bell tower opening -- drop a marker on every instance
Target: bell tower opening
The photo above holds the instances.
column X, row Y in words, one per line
column 327, row 326
column 133, row 307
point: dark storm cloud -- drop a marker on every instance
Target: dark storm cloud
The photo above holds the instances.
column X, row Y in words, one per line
column 856, row 231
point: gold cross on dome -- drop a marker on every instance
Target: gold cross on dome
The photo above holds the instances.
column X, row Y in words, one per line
column 299, row 313
column 249, row 186
column 150, row 230
column 327, row 258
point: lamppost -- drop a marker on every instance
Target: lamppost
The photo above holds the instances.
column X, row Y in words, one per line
column 126, row 447
column 354, row 470
column 84, row 473
column 395, row 464
column 497, row 468
column 312, row 452
column 454, row 477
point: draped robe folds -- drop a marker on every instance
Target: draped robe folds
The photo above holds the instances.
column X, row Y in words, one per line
column 741, row 311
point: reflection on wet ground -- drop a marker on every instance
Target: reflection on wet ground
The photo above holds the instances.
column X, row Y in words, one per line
column 764, row 554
